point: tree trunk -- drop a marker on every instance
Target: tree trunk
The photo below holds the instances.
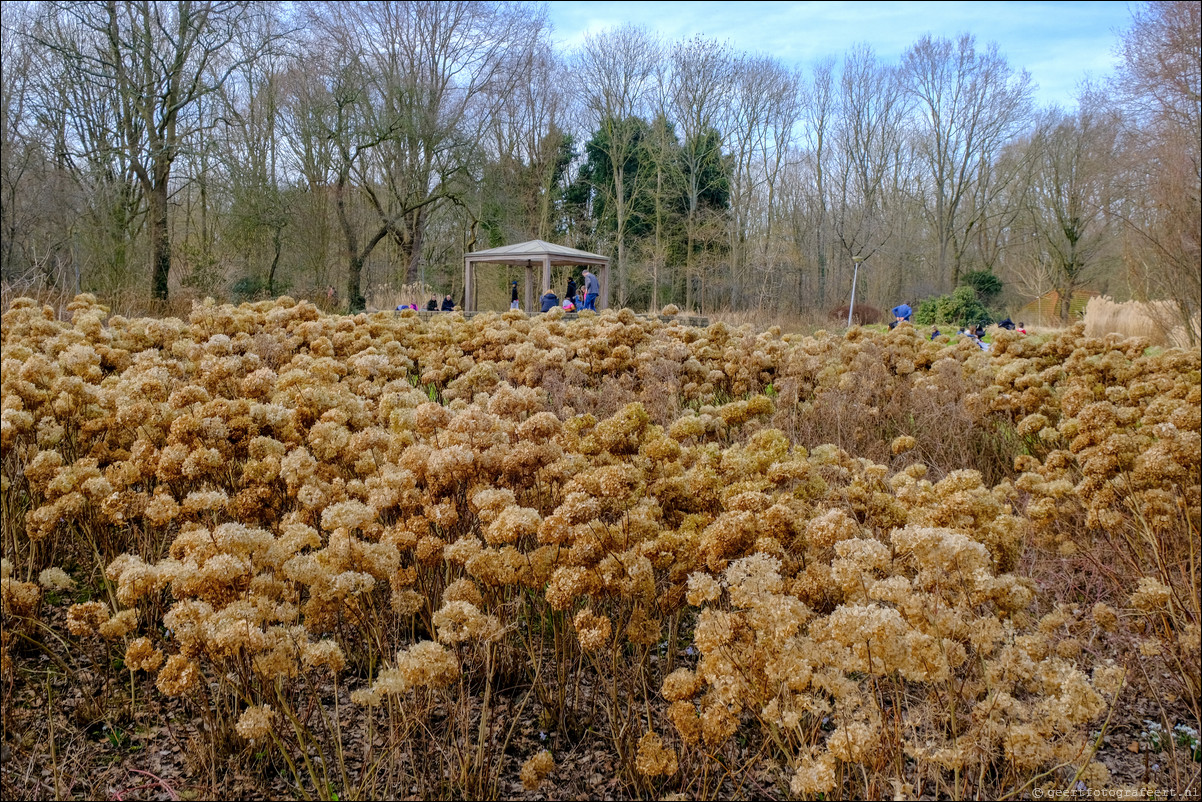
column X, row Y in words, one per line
column 160, row 240
column 620, row 211
column 354, row 260
column 277, row 243
column 416, row 238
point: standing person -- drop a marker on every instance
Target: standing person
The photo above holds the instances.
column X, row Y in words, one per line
column 901, row 313
column 592, row 289
column 571, row 293
column 513, row 295
column 448, row 304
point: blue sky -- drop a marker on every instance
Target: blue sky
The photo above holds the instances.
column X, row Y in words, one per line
column 1059, row 43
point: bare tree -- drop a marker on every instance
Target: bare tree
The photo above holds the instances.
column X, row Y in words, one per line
column 442, row 72
column 154, row 60
column 806, row 187
column 774, row 154
column 1160, row 83
column 969, row 105
column 336, row 134
column 1070, row 201
column 31, row 244
column 869, row 155
column 764, row 97
column 663, row 148
column 613, row 72
column 418, row 86
column 250, row 144
column 700, row 86
column 529, row 149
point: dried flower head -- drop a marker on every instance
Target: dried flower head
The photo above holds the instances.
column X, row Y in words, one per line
column 703, row 588
column 256, row 722
column 178, row 676
column 1150, row 595
column 653, row 758
column 458, row 621
column 814, row 776
column 141, row 655
column 536, row 769
column 594, row 631
column 85, row 618
column 55, row 579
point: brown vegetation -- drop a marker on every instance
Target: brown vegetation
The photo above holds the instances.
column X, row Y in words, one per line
column 862, row 315
column 1158, row 321
column 267, row 552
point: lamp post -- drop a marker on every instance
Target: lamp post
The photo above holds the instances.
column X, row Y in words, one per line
column 854, row 276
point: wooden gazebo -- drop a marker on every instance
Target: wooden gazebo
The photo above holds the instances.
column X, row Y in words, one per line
column 536, row 251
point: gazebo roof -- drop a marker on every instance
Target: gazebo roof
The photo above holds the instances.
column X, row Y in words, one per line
column 536, row 250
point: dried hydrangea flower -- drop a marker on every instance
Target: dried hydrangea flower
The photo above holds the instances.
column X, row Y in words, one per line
column 256, row 722
column 594, row 631
column 55, row 579
column 85, row 618
column 141, row 655
column 536, row 769
column 653, row 758
column 177, row 676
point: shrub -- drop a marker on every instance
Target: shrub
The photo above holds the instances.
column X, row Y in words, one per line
column 961, row 308
column 381, row 556
column 986, row 283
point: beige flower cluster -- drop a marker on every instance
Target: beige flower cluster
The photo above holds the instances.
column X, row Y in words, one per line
column 834, row 524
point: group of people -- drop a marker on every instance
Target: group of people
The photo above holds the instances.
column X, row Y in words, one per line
column 577, row 297
column 448, row 305
column 975, row 331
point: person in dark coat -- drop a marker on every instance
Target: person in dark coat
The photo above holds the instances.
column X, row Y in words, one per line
column 432, row 305
column 513, row 296
column 448, row 304
column 571, row 293
column 550, row 301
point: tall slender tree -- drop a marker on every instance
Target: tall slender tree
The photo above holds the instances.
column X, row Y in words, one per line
column 700, row 89
column 1160, row 86
column 156, row 61
column 613, row 72
column 1070, row 210
column 969, row 104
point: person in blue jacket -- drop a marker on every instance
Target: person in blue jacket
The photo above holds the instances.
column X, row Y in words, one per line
column 550, row 301
column 901, row 313
column 592, row 290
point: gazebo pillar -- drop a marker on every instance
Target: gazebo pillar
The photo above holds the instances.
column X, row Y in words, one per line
column 468, row 305
column 604, row 299
column 546, row 274
column 529, row 287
